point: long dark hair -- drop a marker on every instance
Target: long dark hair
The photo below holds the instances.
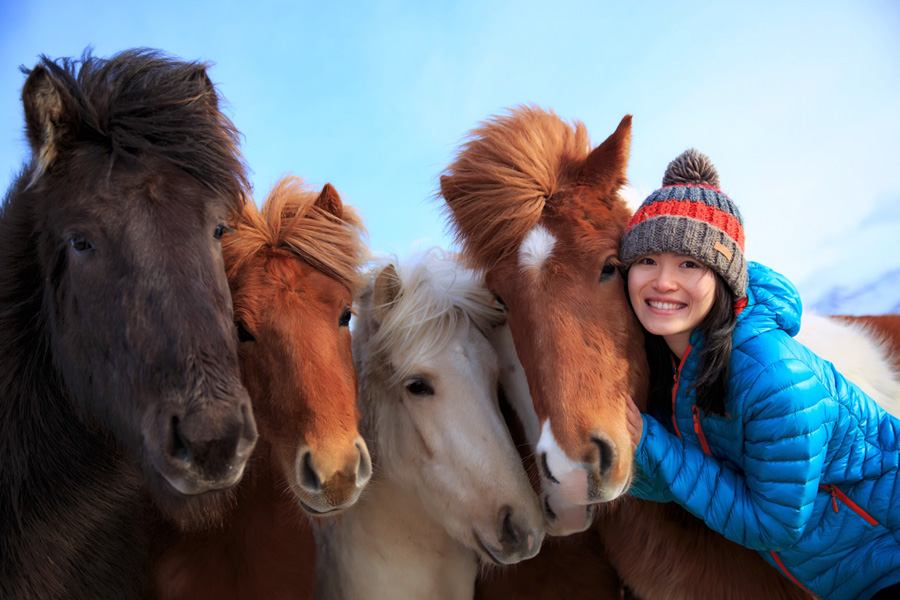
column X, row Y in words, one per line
column 711, row 384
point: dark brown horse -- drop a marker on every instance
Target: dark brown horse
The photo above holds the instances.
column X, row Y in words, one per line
column 293, row 268
column 119, row 382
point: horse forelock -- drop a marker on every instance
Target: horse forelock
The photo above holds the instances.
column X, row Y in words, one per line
column 289, row 221
column 142, row 103
column 436, row 293
column 504, row 179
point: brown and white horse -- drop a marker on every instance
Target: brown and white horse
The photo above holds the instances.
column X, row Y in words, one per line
column 293, row 267
column 449, row 487
column 539, row 212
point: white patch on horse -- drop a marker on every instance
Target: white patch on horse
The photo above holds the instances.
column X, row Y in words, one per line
column 536, row 249
column 571, row 476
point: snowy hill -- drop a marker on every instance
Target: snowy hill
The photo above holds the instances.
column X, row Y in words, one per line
column 878, row 296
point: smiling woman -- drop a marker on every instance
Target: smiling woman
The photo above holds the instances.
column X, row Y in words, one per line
column 760, row 438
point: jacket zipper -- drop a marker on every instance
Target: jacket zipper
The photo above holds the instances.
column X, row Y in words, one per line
column 676, row 380
column 837, row 494
column 791, row 577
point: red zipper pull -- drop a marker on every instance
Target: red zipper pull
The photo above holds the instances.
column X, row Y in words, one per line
column 831, row 489
column 695, row 411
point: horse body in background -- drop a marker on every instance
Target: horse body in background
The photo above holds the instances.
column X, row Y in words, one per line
column 866, row 350
column 293, row 268
column 119, row 382
column 449, row 487
column 538, row 211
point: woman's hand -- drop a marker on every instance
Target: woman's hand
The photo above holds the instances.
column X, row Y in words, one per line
column 635, row 421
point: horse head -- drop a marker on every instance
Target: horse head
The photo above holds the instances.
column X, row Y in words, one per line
column 133, row 177
column 293, row 270
column 539, row 212
column 428, row 388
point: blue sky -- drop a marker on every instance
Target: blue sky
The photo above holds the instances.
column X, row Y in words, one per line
column 797, row 103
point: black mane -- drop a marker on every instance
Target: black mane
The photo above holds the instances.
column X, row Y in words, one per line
column 143, row 102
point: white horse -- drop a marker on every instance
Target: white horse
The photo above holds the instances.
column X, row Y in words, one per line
column 449, row 486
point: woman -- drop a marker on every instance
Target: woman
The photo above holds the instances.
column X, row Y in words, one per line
column 757, row 436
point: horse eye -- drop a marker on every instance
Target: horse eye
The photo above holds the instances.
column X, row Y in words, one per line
column 243, row 334
column 608, row 271
column 418, row 387
column 80, row 244
column 501, row 302
column 345, row 318
column 220, row 231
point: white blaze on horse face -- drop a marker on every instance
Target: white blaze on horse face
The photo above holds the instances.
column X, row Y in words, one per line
column 571, row 478
column 536, row 249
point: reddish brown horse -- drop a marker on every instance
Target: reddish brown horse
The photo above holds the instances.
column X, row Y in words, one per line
column 119, row 384
column 538, row 210
column 293, row 268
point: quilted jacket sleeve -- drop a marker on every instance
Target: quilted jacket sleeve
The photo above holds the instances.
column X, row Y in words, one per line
column 765, row 505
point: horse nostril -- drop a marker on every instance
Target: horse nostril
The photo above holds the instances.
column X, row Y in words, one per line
column 310, row 477
column 364, row 468
column 606, row 455
column 545, row 468
column 178, row 445
column 509, row 537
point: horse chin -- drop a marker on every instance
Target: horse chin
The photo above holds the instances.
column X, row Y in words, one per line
column 317, row 505
column 562, row 518
column 496, row 555
column 189, row 512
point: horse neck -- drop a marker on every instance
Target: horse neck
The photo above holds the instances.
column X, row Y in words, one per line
column 265, row 543
column 388, row 547
column 68, row 497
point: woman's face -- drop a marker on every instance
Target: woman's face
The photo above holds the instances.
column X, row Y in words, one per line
column 671, row 294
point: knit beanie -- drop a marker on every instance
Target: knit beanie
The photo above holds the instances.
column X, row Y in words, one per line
column 690, row 215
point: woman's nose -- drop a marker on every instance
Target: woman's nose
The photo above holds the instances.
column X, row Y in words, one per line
column 664, row 281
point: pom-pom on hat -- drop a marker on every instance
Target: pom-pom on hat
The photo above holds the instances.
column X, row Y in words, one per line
column 690, row 215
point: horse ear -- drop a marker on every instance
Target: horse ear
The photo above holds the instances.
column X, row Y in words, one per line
column 330, row 201
column 48, row 110
column 607, row 163
column 387, row 288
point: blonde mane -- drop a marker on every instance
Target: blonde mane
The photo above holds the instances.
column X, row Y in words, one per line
column 504, row 176
column 436, row 293
column 291, row 221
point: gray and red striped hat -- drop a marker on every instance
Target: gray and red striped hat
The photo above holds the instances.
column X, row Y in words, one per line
column 690, row 215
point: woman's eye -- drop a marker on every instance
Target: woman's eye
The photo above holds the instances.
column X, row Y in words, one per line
column 80, row 244
column 419, row 387
column 243, row 334
column 345, row 318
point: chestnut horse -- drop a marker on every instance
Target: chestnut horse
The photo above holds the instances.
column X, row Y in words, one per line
column 449, row 486
column 539, row 212
column 293, row 268
column 118, row 357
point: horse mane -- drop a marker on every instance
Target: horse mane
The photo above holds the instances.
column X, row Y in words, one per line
column 143, row 102
column 436, row 293
column 505, row 176
column 290, row 221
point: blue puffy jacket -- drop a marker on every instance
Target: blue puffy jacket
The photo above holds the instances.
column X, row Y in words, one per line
column 802, row 468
